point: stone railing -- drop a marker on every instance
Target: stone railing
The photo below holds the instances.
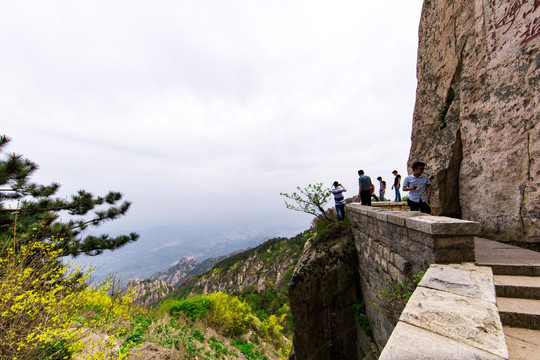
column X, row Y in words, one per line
column 392, row 245
column 389, row 205
column 452, row 314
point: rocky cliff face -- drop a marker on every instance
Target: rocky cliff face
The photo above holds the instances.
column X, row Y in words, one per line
column 477, row 112
column 187, row 267
column 148, row 292
column 324, row 287
column 268, row 265
column 174, row 275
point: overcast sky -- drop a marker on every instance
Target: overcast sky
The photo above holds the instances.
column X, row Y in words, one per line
column 207, row 110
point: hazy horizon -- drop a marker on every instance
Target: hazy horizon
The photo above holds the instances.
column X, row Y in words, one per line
column 203, row 112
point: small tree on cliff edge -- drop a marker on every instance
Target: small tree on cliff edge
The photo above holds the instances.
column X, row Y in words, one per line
column 310, row 199
column 36, row 213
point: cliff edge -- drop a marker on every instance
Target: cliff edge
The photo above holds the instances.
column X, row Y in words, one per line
column 324, row 287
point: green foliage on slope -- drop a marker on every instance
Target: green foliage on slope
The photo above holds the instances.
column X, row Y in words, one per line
column 48, row 310
column 269, row 303
column 255, row 323
column 267, row 306
column 183, row 324
column 268, row 251
column 48, row 313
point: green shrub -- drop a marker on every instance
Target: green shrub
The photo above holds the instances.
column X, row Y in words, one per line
column 186, row 290
column 136, row 336
column 198, row 335
column 229, row 314
column 248, row 349
column 193, row 308
column 327, row 230
column 220, row 350
column 359, row 311
column 46, row 308
column 392, row 301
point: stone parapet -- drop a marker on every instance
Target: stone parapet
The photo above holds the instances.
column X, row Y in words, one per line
column 393, row 245
column 452, row 314
column 389, row 205
column 421, row 239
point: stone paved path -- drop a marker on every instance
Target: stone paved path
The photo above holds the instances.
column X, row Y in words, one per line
column 517, row 282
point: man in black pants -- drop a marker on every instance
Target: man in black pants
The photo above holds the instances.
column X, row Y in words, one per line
column 364, row 182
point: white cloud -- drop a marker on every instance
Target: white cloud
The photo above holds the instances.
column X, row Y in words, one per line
column 184, row 103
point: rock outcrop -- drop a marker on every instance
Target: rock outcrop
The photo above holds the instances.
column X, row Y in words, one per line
column 322, row 291
column 477, row 113
column 188, row 267
column 174, row 275
column 148, row 292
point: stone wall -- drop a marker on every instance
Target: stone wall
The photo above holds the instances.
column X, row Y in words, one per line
column 395, row 244
column 477, row 113
column 452, row 314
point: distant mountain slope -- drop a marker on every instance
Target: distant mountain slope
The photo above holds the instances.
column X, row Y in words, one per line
column 162, row 246
column 187, row 267
column 267, row 266
column 174, row 275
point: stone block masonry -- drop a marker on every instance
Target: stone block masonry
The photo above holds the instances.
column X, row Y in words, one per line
column 452, row 314
column 395, row 244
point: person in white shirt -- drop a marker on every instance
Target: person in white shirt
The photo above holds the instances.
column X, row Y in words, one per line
column 419, row 188
column 338, row 191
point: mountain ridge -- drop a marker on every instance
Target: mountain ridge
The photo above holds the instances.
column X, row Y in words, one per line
column 189, row 266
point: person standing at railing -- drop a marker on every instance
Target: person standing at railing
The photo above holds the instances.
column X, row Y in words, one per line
column 339, row 199
column 397, row 184
column 364, row 184
column 382, row 188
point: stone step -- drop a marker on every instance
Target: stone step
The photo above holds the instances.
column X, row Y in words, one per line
column 519, row 313
column 506, row 259
column 525, row 287
column 512, row 269
column 523, row 344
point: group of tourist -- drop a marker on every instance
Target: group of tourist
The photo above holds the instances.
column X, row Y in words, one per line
column 417, row 184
